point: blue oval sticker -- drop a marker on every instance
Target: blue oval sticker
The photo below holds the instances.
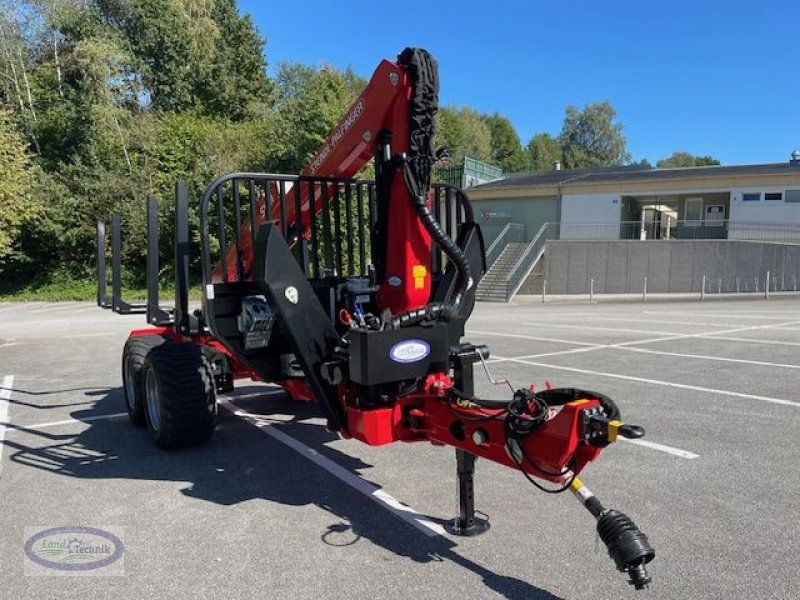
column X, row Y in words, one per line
column 409, row 351
column 74, row 548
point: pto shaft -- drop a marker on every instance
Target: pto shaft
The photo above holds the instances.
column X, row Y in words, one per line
column 626, row 544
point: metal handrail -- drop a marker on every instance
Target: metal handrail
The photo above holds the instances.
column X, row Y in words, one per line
column 500, row 242
column 525, row 263
column 686, row 229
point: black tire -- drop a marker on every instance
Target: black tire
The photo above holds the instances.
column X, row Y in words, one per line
column 179, row 396
column 133, row 355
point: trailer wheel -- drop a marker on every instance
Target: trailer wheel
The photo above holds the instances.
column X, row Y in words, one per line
column 180, row 400
column 133, row 355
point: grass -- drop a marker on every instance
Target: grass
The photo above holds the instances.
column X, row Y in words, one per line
column 67, row 289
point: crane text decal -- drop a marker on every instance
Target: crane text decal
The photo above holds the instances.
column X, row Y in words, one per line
column 337, row 135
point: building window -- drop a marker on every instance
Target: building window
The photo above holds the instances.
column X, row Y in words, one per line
column 792, row 196
column 775, row 196
column 751, row 197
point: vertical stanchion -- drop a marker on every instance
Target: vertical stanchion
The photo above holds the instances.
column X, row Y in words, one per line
column 737, row 285
column 719, row 285
column 766, row 286
column 101, row 265
column 703, row 288
column 544, row 289
column 756, row 283
column 644, row 290
column 591, row 290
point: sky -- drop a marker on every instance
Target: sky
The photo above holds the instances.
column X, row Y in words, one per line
column 705, row 76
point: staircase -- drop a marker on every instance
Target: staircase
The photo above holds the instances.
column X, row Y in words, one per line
column 493, row 285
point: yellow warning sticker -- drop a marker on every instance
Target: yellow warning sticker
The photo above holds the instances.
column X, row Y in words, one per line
column 419, row 272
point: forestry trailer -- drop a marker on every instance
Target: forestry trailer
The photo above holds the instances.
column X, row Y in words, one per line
column 355, row 294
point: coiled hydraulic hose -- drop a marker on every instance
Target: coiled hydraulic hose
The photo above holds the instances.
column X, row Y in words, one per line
column 417, row 175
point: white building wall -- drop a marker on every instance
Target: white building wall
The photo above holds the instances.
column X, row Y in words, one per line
column 771, row 212
column 590, row 216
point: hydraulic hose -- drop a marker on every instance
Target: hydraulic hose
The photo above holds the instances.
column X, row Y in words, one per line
column 417, row 175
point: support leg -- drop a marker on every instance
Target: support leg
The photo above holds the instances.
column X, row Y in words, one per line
column 466, row 524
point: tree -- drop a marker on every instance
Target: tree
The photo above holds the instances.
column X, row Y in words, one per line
column 238, row 87
column 686, row 159
column 543, row 152
column 310, row 102
column 505, row 145
column 592, row 138
column 16, row 183
column 464, row 133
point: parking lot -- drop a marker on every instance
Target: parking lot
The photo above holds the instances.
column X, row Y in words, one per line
column 276, row 507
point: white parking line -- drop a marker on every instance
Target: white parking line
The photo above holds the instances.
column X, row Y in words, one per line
column 632, row 320
column 737, row 316
column 743, row 361
column 589, row 347
column 683, row 386
column 5, row 396
column 752, row 341
column 594, row 328
column 83, row 420
column 662, row 448
column 376, row 494
column 76, row 336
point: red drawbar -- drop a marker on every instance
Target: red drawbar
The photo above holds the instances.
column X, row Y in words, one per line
column 375, row 427
column 550, row 449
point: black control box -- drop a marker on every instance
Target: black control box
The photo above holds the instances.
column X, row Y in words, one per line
column 398, row 354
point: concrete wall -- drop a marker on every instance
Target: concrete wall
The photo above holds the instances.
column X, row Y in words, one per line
column 619, row 267
column 533, row 212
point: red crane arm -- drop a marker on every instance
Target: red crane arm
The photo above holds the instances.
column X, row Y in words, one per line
column 381, row 107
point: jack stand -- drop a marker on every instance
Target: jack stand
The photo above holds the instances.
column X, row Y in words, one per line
column 466, row 524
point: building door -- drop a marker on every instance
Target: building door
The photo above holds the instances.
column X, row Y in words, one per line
column 693, row 212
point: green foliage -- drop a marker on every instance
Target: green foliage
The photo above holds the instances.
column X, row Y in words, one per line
column 592, row 138
column 464, row 133
column 506, row 147
column 685, row 159
column 310, row 102
column 17, row 176
column 106, row 101
column 543, row 152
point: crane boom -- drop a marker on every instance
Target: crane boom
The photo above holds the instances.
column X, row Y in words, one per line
column 377, row 122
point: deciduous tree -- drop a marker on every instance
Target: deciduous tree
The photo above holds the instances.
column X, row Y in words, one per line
column 685, row 159
column 592, row 137
column 544, row 152
column 506, row 147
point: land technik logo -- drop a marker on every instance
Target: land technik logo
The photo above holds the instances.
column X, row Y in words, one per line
column 73, row 549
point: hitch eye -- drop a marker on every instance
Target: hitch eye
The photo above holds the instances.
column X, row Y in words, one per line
column 600, row 431
column 631, row 432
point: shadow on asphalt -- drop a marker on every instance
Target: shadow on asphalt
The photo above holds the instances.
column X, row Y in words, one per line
column 242, row 463
column 90, row 391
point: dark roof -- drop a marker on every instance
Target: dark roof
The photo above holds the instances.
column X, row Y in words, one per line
column 634, row 173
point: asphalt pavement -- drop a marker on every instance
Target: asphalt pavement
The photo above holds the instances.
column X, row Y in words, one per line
column 274, row 506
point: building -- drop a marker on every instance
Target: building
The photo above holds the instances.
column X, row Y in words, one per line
column 525, row 214
column 469, row 173
column 723, row 202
